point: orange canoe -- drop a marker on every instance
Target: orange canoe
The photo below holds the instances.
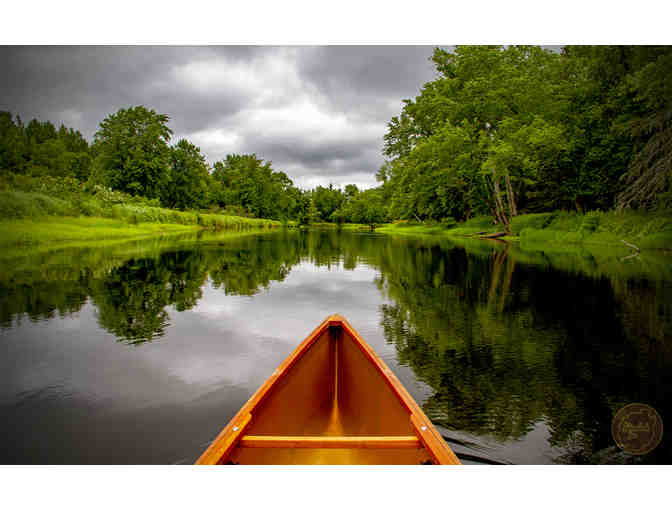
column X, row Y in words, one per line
column 332, row 401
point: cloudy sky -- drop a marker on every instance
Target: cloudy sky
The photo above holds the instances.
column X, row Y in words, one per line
column 318, row 113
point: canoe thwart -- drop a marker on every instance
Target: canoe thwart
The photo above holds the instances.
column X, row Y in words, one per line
column 330, row 442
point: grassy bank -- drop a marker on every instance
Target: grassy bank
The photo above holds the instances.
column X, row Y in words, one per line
column 33, row 205
column 50, row 229
column 644, row 230
column 49, row 210
column 467, row 228
column 342, row 226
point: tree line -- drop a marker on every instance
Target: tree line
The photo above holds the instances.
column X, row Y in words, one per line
column 500, row 131
column 505, row 130
column 131, row 153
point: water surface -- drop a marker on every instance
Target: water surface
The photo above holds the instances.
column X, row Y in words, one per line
column 141, row 352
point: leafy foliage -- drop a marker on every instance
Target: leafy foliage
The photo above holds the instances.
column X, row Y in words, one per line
column 40, row 149
column 504, row 130
column 250, row 183
column 189, row 178
column 132, row 153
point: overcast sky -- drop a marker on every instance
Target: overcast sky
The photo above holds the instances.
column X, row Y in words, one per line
column 318, row 113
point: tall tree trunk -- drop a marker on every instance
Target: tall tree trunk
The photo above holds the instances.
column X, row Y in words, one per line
column 509, row 191
column 499, row 206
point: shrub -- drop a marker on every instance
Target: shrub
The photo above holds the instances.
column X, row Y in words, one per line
column 448, row 222
column 590, row 222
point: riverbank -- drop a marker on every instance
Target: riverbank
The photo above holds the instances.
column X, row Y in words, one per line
column 66, row 215
column 645, row 231
column 43, row 210
column 29, row 232
column 350, row 227
column 51, row 229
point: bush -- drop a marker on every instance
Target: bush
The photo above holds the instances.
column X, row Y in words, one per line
column 590, row 222
column 537, row 221
column 448, row 222
column 18, row 204
column 479, row 222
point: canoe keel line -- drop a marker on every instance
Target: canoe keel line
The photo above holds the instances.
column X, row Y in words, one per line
column 332, row 401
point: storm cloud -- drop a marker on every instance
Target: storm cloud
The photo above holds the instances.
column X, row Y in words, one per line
column 318, row 113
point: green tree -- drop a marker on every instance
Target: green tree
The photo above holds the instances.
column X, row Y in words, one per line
column 327, row 200
column 649, row 177
column 189, row 178
column 250, row 183
column 132, row 153
column 39, row 149
column 504, row 130
column 350, row 191
column 13, row 146
column 365, row 207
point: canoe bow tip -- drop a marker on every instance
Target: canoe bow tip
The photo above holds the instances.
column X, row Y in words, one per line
column 336, row 318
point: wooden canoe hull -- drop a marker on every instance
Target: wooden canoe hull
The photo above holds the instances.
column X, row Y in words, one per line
column 332, row 401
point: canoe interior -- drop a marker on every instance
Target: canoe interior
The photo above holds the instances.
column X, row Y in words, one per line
column 331, row 390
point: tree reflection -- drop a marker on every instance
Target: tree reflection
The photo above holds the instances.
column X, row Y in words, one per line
column 506, row 345
column 46, row 301
column 132, row 299
column 505, row 338
column 246, row 265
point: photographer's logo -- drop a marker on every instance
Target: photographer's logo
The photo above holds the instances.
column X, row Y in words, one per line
column 637, row 428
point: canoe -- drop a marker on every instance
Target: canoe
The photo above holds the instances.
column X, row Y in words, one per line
column 332, row 401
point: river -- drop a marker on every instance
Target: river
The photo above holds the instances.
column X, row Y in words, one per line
column 140, row 352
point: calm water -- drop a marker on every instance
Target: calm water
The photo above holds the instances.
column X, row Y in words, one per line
column 141, row 352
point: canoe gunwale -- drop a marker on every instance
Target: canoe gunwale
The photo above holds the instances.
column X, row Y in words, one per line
column 233, row 434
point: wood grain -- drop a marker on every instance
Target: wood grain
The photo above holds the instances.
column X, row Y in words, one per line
column 330, row 442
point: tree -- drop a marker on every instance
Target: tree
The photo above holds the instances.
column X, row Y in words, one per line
column 13, row 150
column 350, row 191
column 366, row 207
column 132, row 153
column 649, row 177
column 39, row 149
column 484, row 136
column 248, row 182
column 189, row 178
column 327, row 200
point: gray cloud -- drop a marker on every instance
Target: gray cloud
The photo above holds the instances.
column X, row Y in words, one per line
column 318, row 113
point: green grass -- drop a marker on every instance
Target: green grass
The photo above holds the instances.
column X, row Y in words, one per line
column 467, row 228
column 19, row 204
column 416, row 229
column 35, row 217
column 645, row 230
column 336, row 226
column 22, row 232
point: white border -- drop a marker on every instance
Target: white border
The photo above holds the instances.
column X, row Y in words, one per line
column 344, row 22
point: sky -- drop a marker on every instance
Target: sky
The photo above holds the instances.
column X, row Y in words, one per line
column 318, row 113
